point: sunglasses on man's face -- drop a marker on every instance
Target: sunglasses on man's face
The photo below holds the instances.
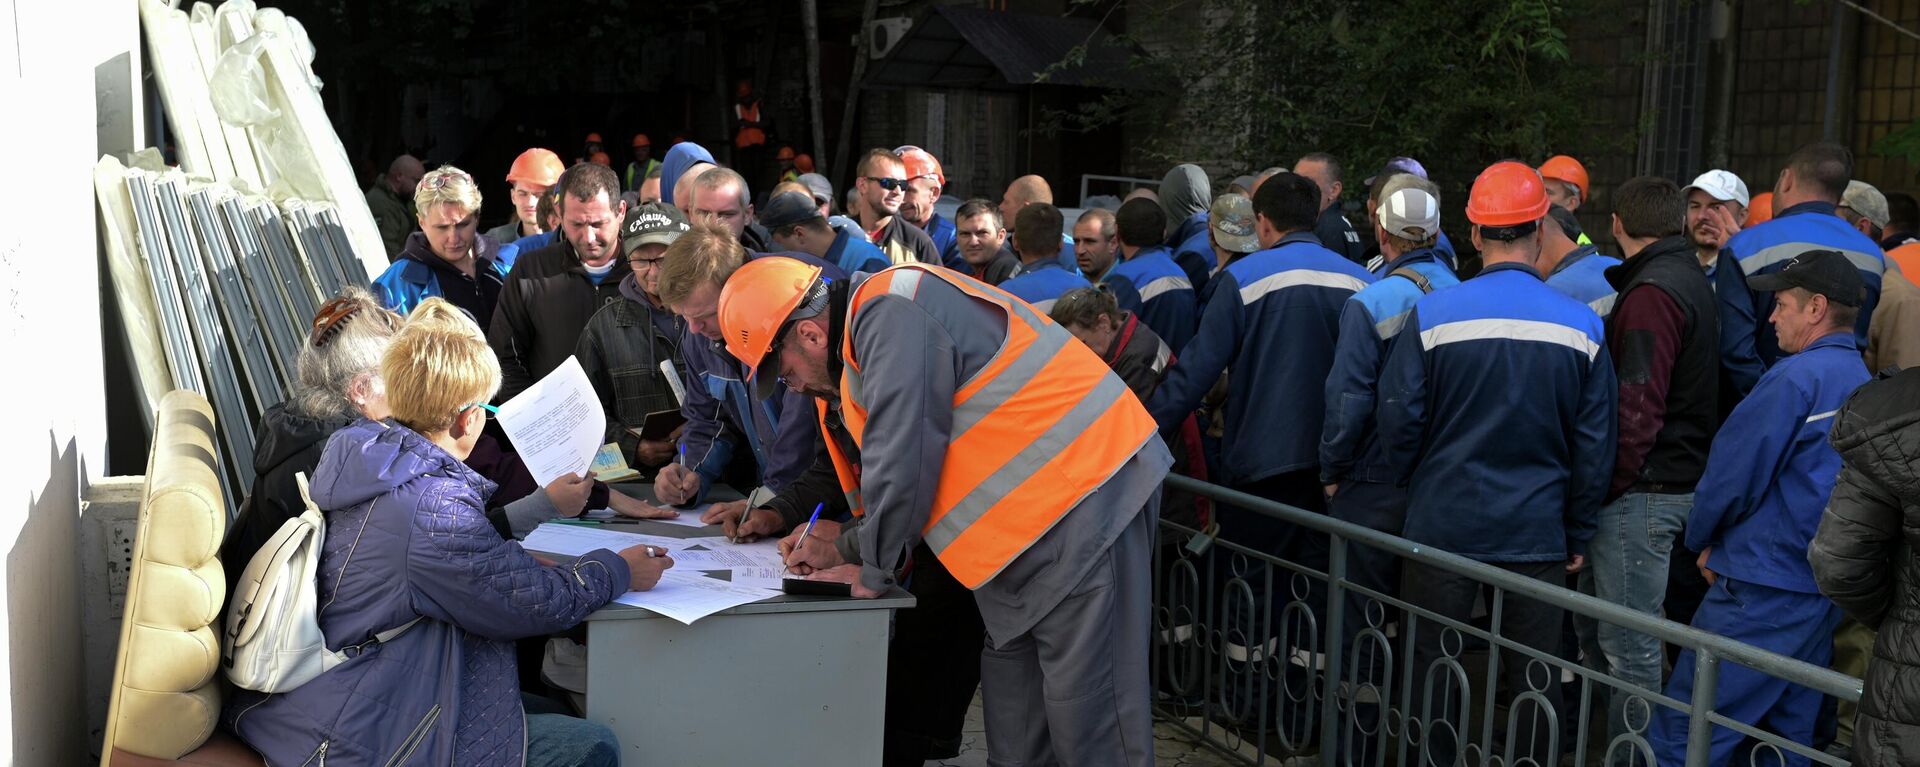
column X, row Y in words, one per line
column 889, row 184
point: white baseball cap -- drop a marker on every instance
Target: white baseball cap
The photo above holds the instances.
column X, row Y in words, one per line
column 1722, row 186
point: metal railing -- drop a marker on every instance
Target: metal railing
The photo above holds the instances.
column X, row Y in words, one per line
column 1243, row 667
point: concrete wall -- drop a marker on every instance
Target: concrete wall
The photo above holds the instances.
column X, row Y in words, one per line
column 70, row 69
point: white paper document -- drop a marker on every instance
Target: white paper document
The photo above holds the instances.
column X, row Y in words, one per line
column 712, row 553
column 576, row 540
column 687, row 518
column 690, row 596
column 556, row 424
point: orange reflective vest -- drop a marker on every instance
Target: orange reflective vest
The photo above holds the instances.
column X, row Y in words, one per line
column 1035, row 431
column 750, row 133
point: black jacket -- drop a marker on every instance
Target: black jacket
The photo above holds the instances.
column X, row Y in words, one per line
column 287, row 445
column 1863, row 558
column 621, row 351
column 1679, row 453
column 545, row 304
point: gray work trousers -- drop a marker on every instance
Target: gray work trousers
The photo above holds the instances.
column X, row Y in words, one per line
column 1075, row 690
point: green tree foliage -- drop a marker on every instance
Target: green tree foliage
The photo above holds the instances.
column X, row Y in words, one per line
column 1457, row 84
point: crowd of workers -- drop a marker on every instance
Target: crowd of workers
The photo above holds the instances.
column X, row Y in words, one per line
column 987, row 404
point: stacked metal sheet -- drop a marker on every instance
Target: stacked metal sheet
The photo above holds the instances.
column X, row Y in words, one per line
column 232, row 283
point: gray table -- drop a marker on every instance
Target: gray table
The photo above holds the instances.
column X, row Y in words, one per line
column 781, row 681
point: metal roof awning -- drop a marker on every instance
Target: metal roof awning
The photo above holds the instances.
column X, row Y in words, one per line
column 961, row 47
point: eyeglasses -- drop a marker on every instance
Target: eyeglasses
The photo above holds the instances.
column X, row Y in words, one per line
column 490, row 410
column 644, row 263
column 889, row 184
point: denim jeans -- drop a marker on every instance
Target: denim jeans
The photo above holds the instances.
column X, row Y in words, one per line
column 1627, row 565
column 558, row 740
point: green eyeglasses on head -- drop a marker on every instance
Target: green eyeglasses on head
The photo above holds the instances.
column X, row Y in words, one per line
column 491, row 410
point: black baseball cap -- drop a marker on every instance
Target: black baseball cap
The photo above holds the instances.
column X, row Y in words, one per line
column 649, row 223
column 1826, row 272
column 787, row 209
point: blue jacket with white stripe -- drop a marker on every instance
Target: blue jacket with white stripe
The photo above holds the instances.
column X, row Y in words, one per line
column 1273, row 319
column 1152, row 286
column 1370, row 324
column 1583, row 276
column 1771, row 468
column 1042, row 283
column 1499, row 413
column 1747, row 345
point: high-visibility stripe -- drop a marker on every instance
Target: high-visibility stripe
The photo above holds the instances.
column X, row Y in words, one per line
column 1603, row 305
column 1161, row 356
column 904, row 283
column 1292, row 278
column 1509, row 330
column 1044, row 305
column 1822, row 416
column 1391, row 326
column 1153, row 289
column 1766, row 257
column 1008, row 382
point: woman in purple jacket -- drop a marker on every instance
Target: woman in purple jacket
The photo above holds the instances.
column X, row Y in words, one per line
column 408, row 540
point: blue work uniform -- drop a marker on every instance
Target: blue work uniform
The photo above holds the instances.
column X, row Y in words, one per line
column 853, row 254
column 1583, row 276
column 1042, row 283
column 1273, row 320
column 1194, row 252
column 1152, row 286
column 1768, row 477
column 1747, row 345
column 1501, row 419
column 945, row 238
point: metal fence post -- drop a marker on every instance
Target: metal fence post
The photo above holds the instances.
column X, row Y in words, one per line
column 1706, row 681
column 1330, row 674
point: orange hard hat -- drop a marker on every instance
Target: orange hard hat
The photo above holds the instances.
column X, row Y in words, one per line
column 593, row 138
column 803, row 162
column 785, row 153
column 921, row 162
column 1507, row 194
column 536, row 166
column 601, row 158
column 754, row 306
column 640, row 140
column 1564, row 168
column 1760, row 210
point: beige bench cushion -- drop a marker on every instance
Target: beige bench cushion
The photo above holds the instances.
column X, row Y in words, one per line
column 165, row 700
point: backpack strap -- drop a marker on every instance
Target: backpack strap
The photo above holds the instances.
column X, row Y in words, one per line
column 1419, row 280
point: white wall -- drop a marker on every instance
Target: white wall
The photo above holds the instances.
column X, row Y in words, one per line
column 65, row 72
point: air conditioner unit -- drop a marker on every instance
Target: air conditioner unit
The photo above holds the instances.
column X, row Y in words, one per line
column 884, row 34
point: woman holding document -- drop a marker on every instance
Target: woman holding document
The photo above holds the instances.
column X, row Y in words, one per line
column 408, row 544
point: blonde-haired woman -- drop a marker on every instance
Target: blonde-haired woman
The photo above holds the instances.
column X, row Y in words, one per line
column 448, row 257
column 408, row 544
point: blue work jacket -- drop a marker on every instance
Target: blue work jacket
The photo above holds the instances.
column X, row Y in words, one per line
column 1747, row 345
column 1042, row 283
column 853, row 254
column 1271, row 323
column 1499, row 414
column 1771, row 468
column 1370, row 325
column 1583, row 276
column 1152, row 286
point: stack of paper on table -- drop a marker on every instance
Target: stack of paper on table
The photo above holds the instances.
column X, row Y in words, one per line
column 694, row 587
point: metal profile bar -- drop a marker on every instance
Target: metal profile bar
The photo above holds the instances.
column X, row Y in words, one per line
column 284, row 259
column 254, row 348
column 352, row 270
column 223, row 389
column 181, row 356
column 269, row 298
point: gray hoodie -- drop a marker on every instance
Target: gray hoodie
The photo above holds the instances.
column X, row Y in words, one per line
column 1184, row 192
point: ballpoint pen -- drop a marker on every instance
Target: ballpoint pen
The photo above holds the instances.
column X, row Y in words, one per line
column 805, row 531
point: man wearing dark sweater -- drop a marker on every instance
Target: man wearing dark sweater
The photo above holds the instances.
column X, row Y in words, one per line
column 1664, row 338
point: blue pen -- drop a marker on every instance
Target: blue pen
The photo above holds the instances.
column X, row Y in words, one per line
column 809, row 528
